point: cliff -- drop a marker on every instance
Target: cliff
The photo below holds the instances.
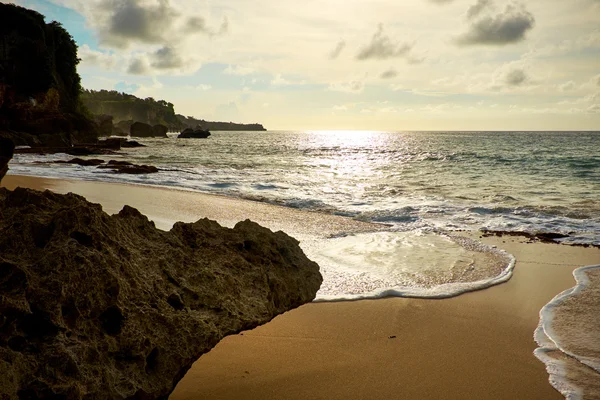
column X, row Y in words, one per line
column 127, row 107
column 109, row 307
column 39, row 83
column 218, row 126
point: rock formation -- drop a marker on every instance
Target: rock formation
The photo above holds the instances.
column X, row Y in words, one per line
column 39, row 83
column 190, row 133
column 109, row 307
column 7, row 148
column 140, row 129
column 105, row 124
column 160, row 130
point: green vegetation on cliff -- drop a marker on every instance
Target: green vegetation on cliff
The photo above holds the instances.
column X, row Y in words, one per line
column 127, row 107
column 39, row 83
column 36, row 57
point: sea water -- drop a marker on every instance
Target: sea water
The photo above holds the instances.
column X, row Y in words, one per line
column 568, row 337
column 423, row 186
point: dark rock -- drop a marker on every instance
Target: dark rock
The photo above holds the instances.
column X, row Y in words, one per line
column 131, row 144
column 105, row 124
column 118, row 163
column 136, row 169
column 190, row 133
column 74, row 151
column 140, row 129
column 123, row 126
column 85, row 163
column 125, row 167
column 109, row 307
column 116, row 131
column 111, row 143
column 7, row 148
column 39, row 83
column 160, row 130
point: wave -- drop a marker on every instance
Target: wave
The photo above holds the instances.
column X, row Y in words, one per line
column 568, row 337
column 406, row 264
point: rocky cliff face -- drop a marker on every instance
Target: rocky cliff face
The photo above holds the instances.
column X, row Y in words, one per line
column 7, row 149
column 109, row 307
column 39, row 83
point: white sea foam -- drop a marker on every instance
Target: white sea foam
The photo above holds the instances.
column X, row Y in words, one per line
column 406, row 264
column 568, row 337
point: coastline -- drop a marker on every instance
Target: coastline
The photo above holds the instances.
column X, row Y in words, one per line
column 476, row 345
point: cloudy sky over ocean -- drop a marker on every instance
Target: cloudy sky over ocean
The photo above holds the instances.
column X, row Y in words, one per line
column 333, row 64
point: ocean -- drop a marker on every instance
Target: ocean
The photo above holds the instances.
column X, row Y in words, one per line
column 425, row 186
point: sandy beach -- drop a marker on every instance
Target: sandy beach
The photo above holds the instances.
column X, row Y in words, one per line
column 478, row 345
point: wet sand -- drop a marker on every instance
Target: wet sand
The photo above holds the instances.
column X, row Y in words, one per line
column 478, row 345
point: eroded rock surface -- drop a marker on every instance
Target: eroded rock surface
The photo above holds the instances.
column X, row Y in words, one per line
column 109, row 307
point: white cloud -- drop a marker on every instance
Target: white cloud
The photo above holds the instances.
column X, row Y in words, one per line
column 347, row 87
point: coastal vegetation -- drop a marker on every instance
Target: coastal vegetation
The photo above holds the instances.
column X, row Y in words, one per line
column 127, row 107
column 39, row 84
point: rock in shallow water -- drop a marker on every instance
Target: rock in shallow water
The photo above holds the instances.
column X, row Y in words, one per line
column 109, row 307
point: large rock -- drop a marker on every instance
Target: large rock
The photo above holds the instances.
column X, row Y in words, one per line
column 7, row 148
column 190, row 133
column 140, row 129
column 160, row 130
column 109, row 307
column 122, row 128
column 105, row 124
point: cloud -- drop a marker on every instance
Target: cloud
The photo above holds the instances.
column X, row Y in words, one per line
column 238, row 70
column 516, row 77
column 506, row 27
column 280, row 81
column 96, row 58
column 127, row 87
column 347, row 87
column 138, row 66
column 203, row 87
column 167, row 58
column 389, row 74
column 441, row 1
column 131, row 20
column 382, row 47
column 340, row 108
column 567, row 86
column 477, row 8
column 339, row 47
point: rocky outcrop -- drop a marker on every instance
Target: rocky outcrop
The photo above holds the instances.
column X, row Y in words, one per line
column 7, row 147
column 105, row 124
column 39, row 83
column 219, row 125
column 82, row 162
column 140, row 129
column 190, row 133
column 109, row 307
column 125, row 167
column 124, row 127
column 160, row 130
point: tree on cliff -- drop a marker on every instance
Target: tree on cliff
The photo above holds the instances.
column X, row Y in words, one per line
column 39, row 83
column 35, row 57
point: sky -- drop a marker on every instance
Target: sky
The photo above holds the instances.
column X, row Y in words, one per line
column 347, row 64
